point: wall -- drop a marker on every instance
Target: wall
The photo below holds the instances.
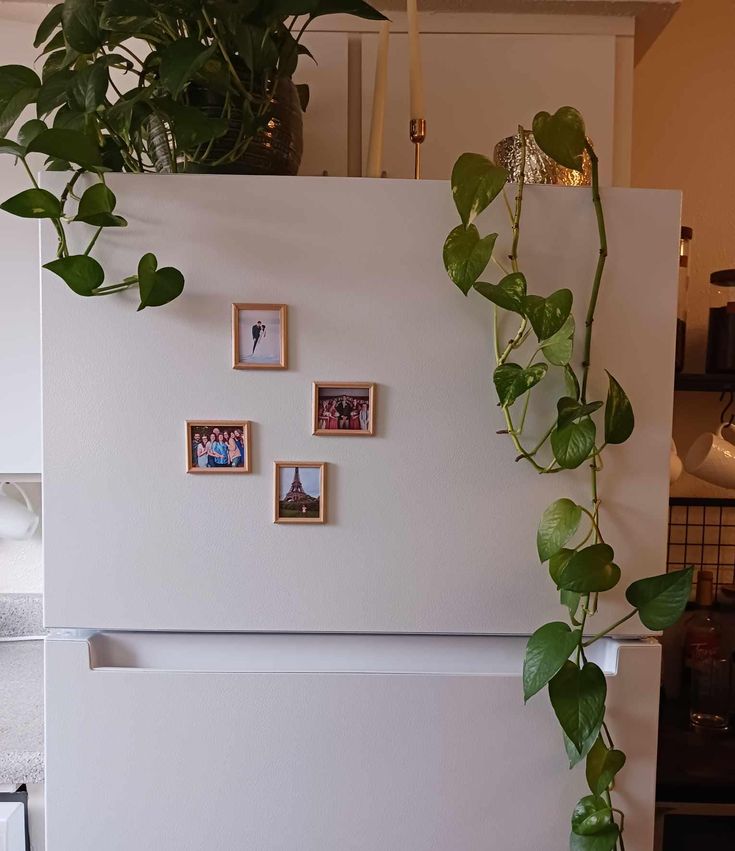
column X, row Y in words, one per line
column 684, row 124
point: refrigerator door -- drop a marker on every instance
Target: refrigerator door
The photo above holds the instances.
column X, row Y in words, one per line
column 397, row 743
column 430, row 525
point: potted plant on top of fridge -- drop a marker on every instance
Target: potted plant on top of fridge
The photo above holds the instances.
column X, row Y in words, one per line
column 146, row 85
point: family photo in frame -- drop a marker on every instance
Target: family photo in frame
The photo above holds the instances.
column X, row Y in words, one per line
column 343, row 408
column 218, row 446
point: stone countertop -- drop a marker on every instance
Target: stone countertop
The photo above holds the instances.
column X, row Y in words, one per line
column 21, row 696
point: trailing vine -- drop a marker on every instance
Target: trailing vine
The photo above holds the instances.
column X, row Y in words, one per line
column 569, row 537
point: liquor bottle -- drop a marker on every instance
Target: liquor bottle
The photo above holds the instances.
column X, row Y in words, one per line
column 702, row 639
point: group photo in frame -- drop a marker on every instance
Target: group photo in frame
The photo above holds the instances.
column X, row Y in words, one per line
column 343, row 408
column 259, row 336
column 217, row 446
column 300, row 491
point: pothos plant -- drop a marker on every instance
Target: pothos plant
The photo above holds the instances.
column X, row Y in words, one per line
column 570, row 537
column 126, row 84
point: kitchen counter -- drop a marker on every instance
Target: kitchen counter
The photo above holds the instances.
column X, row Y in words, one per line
column 21, row 697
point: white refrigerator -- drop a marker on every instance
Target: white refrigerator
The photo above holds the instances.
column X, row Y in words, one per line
column 215, row 680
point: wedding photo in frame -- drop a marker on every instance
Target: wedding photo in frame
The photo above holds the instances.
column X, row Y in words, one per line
column 300, row 491
column 259, row 336
column 217, row 446
column 343, row 408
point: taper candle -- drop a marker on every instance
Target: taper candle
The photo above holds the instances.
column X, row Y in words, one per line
column 416, row 80
column 377, row 122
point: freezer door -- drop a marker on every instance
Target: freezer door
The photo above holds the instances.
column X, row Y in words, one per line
column 324, row 743
column 430, row 525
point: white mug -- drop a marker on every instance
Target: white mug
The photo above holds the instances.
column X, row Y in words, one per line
column 17, row 521
column 712, row 458
column 675, row 465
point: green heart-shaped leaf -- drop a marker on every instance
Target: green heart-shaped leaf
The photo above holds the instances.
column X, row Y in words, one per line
column 619, row 419
column 466, row 255
column 33, row 204
column 18, row 87
column 558, row 523
column 561, row 136
column 571, row 600
column 591, row 815
column 547, row 650
column 81, row 273
column 573, row 754
column 606, row 840
column 70, row 145
column 571, row 382
column 180, row 61
column 548, row 315
column 50, row 22
column 509, row 293
column 559, row 347
column 569, row 410
column 578, row 699
column 80, row 23
column 603, row 764
column 88, row 87
column 512, row 380
column 157, row 286
column 7, row 146
column 558, row 562
column 661, row 600
column 96, row 206
column 589, row 570
column 126, row 15
column 572, row 444
column 476, row 181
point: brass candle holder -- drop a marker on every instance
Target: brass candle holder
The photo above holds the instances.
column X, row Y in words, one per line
column 417, row 133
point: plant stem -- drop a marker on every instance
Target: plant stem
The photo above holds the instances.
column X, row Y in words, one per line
column 519, row 204
column 225, row 55
column 92, row 241
column 596, row 200
column 604, row 632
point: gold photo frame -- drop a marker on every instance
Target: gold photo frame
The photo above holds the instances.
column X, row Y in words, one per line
column 202, row 456
column 343, row 408
column 258, row 349
column 294, row 499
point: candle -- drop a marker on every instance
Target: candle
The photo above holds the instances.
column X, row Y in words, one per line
column 375, row 150
column 414, row 52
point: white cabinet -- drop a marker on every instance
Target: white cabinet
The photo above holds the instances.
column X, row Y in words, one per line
column 20, row 343
column 479, row 87
column 273, row 742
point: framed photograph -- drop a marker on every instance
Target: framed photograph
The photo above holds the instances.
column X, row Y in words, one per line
column 217, row 446
column 300, row 491
column 259, row 336
column 343, row 408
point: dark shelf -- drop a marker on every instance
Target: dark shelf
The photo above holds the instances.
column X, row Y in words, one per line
column 706, row 381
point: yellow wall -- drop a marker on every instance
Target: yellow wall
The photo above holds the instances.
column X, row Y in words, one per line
column 684, row 138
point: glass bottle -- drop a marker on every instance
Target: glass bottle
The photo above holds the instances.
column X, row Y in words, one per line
column 702, row 637
column 681, row 309
column 721, row 328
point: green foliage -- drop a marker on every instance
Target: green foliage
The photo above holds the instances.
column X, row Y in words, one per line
column 573, row 443
column 619, row 420
column 548, row 315
column 603, row 764
column 591, row 815
column 466, row 255
column 476, row 181
column 558, row 524
column 81, row 273
column 561, row 136
column 547, row 650
column 578, row 699
column 509, row 293
column 512, row 380
column 580, row 562
column 661, row 600
column 188, row 61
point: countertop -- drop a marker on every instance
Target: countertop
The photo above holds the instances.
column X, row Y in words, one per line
column 21, row 695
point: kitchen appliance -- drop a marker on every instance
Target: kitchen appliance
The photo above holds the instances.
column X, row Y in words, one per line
column 227, row 682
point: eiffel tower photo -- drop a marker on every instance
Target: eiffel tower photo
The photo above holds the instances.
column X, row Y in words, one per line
column 296, row 504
